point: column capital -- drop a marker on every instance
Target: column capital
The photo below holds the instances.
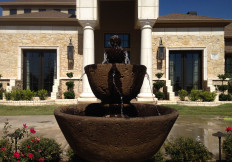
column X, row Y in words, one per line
column 146, row 23
column 86, row 23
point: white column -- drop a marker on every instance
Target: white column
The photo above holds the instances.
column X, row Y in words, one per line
column 146, row 59
column 88, row 58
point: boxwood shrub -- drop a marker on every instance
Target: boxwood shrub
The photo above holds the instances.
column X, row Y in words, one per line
column 183, row 149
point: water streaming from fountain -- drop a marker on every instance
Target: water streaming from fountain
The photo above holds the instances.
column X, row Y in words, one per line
column 78, row 84
column 121, row 98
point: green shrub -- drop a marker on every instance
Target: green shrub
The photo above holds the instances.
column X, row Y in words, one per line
column 159, row 75
column 158, row 157
column 182, row 94
column 42, row 94
column 158, row 84
column 222, row 76
column 16, row 94
column 186, row 149
column 1, row 93
column 70, row 75
column 207, row 96
column 69, row 95
column 72, row 157
column 159, row 95
column 70, row 85
column 230, row 86
column 227, row 148
column 225, row 97
column 8, row 95
column 222, row 88
column 27, row 94
column 7, row 150
column 194, row 95
column 41, row 147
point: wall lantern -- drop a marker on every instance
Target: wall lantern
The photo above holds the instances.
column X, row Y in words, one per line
column 161, row 51
column 70, row 50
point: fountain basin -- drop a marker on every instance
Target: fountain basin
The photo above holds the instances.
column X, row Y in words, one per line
column 115, row 139
column 128, row 81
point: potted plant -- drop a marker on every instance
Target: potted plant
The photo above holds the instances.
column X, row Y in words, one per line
column 69, row 94
column 158, row 85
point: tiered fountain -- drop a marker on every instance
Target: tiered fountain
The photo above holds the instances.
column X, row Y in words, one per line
column 115, row 129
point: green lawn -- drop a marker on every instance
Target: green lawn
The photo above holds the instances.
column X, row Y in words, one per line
column 27, row 110
column 222, row 110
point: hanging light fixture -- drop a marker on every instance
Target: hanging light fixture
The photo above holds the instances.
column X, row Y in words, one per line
column 70, row 52
column 161, row 51
column 70, row 49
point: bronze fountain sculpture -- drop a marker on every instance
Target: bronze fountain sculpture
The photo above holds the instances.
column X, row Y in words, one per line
column 115, row 129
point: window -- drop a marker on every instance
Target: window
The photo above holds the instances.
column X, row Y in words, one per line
column 125, row 38
column 13, row 11
column 41, row 10
column 58, row 10
column 72, row 12
column 27, row 10
column 125, row 41
column 39, row 69
column 228, row 65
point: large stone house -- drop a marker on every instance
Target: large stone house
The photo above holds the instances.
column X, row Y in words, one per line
column 35, row 36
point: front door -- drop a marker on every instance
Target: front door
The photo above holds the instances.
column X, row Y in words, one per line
column 185, row 70
column 39, row 69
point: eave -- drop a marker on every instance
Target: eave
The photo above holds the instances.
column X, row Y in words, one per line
column 190, row 23
column 39, row 21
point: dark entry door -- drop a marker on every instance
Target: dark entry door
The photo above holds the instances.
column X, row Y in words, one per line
column 185, row 70
column 39, row 69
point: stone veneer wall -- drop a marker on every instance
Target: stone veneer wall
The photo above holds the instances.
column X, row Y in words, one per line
column 210, row 38
column 15, row 38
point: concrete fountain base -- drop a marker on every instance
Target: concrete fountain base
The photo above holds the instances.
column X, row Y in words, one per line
column 115, row 139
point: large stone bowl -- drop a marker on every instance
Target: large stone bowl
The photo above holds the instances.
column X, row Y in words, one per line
column 128, row 81
column 115, row 139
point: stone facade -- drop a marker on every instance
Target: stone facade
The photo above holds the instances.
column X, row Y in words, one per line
column 210, row 39
column 14, row 39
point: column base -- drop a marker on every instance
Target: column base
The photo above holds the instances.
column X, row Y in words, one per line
column 146, row 97
column 87, row 97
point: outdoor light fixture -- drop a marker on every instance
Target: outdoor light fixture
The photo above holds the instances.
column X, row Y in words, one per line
column 70, row 50
column 161, row 51
column 219, row 135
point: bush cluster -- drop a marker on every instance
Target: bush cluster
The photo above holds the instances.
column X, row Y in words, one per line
column 45, row 147
column 227, row 144
column 157, row 86
column 223, row 88
column 184, row 149
column 69, row 94
column 196, row 95
column 16, row 146
column 19, row 94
